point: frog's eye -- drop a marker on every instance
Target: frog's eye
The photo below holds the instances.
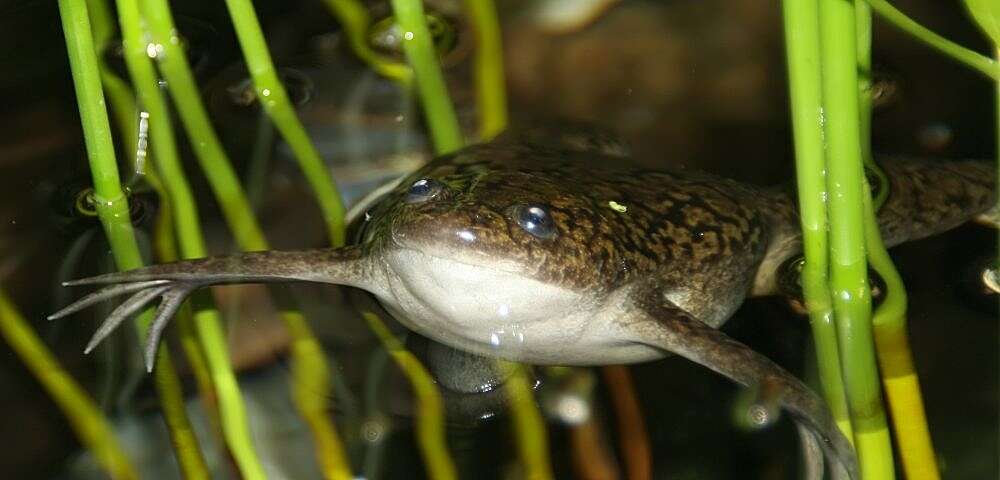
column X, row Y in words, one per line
column 536, row 220
column 423, row 190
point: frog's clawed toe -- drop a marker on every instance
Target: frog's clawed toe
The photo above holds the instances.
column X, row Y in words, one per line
column 171, row 293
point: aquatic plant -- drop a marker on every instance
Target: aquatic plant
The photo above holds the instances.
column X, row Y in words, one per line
column 828, row 42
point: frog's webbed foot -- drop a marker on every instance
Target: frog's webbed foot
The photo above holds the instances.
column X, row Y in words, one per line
column 172, row 283
column 659, row 323
column 170, row 292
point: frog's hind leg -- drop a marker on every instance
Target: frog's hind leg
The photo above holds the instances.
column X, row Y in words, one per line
column 652, row 320
column 172, row 283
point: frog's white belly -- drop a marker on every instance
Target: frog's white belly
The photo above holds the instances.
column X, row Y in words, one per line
column 499, row 313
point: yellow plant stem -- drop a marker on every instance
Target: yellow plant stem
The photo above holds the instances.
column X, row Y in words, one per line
column 272, row 96
column 84, row 417
column 899, row 377
column 430, row 407
column 491, row 91
column 311, row 384
column 892, row 346
column 207, row 321
column 529, row 426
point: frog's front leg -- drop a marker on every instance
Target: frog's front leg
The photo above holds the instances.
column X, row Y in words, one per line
column 653, row 320
column 172, row 283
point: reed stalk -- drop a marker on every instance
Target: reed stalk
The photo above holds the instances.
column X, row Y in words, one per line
column 850, row 291
column 112, row 205
column 491, row 90
column 208, row 324
column 274, row 99
column 418, row 46
column 311, row 373
column 802, row 44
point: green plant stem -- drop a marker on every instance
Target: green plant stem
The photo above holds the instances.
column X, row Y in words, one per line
column 221, row 176
column 491, row 91
column 848, row 269
column 355, row 21
column 801, row 23
column 112, row 206
column 125, row 111
column 863, row 28
column 207, row 321
column 122, row 103
column 94, row 117
column 430, row 407
column 311, row 372
column 969, row 58
column 86, row 420
column 272, row 96
column 418, row 46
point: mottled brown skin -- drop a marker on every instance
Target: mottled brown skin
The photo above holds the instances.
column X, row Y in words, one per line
column 695, row 229
column 661, row 258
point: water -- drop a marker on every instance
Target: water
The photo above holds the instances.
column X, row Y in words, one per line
column 693, row 85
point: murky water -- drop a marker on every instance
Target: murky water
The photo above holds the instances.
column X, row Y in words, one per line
column 693, row 84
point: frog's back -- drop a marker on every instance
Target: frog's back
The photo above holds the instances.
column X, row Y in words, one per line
column 702, row 235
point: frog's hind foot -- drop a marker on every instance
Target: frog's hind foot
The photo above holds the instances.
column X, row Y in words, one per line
column 170, row 292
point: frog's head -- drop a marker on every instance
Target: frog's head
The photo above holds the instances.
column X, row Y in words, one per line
column 484, row 241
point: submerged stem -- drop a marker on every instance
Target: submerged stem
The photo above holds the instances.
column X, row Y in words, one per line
column 309, row 365
column 207, row 321
column 112, row 205
column 422, row 56
column 273, row 97
column 430, row 406
column 86, row 420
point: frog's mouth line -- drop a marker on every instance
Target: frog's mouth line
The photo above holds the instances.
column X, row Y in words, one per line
column 493, row 265
column 513, row 270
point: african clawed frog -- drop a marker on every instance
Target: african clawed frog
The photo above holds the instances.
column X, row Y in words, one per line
column 556, row 253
